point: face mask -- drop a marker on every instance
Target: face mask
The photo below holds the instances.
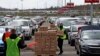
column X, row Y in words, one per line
column 61, row 27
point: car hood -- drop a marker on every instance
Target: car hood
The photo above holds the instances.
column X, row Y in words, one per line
column 25, row 27
column 91, row 42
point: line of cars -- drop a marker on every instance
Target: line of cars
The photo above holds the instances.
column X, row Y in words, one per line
column 84, row 37
column 27, row 26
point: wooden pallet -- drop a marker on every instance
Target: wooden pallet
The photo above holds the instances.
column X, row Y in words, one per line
column 46, row 55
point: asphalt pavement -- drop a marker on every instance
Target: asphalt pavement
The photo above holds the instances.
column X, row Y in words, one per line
column 68, row 50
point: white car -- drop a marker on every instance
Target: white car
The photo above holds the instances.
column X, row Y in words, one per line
column 23, row 26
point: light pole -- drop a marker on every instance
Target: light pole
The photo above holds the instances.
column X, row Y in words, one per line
column 45, row 4
column 57, row 3
column 70, row 9
column 91, row 13
column 22, row 6
column 65, row 2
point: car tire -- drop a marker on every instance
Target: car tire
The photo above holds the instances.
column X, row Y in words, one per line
column 68, row 41
column 81, row 54
column 71, row 43
column 77, row 52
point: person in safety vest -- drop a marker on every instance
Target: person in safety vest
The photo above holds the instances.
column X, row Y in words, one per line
column 5, row 35
column 14, row 43
column 60, row 39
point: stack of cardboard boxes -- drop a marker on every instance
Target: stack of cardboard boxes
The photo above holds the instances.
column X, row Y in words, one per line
column 46, row 42
column 53, row 27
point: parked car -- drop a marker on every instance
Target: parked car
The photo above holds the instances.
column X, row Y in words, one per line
column 23, row 26
column 39, row 20
column 73, row 33
column 2, row 30
column 88, row 41
column 66, row 21
column 52, row 19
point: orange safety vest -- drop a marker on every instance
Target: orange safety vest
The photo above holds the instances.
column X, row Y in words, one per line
column 7, row 35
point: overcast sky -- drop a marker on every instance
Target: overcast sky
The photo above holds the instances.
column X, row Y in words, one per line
column 29, row 4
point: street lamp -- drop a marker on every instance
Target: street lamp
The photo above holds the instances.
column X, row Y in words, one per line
column 22, row 6
column 65, row 2
column 91, row 9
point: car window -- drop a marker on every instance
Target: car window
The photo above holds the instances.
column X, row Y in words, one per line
column 67, row 22
column 91, row 35
column 74, row 29
column 25, row 23
column 14, row 23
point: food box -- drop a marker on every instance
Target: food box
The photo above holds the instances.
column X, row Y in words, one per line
column 47, row 42
column 43, row 28
column 60, row 33
column 52, row 25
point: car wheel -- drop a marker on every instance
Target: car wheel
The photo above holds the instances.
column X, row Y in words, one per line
column 80, row 53
column 71, row 43
column 77, row 52
column 68, row 41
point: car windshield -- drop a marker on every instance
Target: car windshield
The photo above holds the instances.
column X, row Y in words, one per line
column 2, row 30
column 67, row 22
column 74, row 28
column 91, row 35
column 18, row 23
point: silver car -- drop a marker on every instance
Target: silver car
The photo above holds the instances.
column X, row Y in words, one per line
column 88, row 42
column 23, row 26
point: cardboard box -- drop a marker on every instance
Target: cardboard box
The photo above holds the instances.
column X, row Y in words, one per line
column 43, row 29
column 47, row 42
column 52, row 25
column 52, row 33
column 37, row 34
column 60, row 33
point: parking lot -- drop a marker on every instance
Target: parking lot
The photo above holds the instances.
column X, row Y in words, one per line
column 74, row 25
column 68, row 50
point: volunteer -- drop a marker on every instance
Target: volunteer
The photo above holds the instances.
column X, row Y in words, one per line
column 4, row 37
column 13, row 44
column 61, row 38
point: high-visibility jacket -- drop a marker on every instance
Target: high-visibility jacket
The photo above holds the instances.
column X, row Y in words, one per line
column 64, row 36
column 12, row 48
column 7, row 34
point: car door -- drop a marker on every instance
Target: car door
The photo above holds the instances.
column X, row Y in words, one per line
column 77, row 41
